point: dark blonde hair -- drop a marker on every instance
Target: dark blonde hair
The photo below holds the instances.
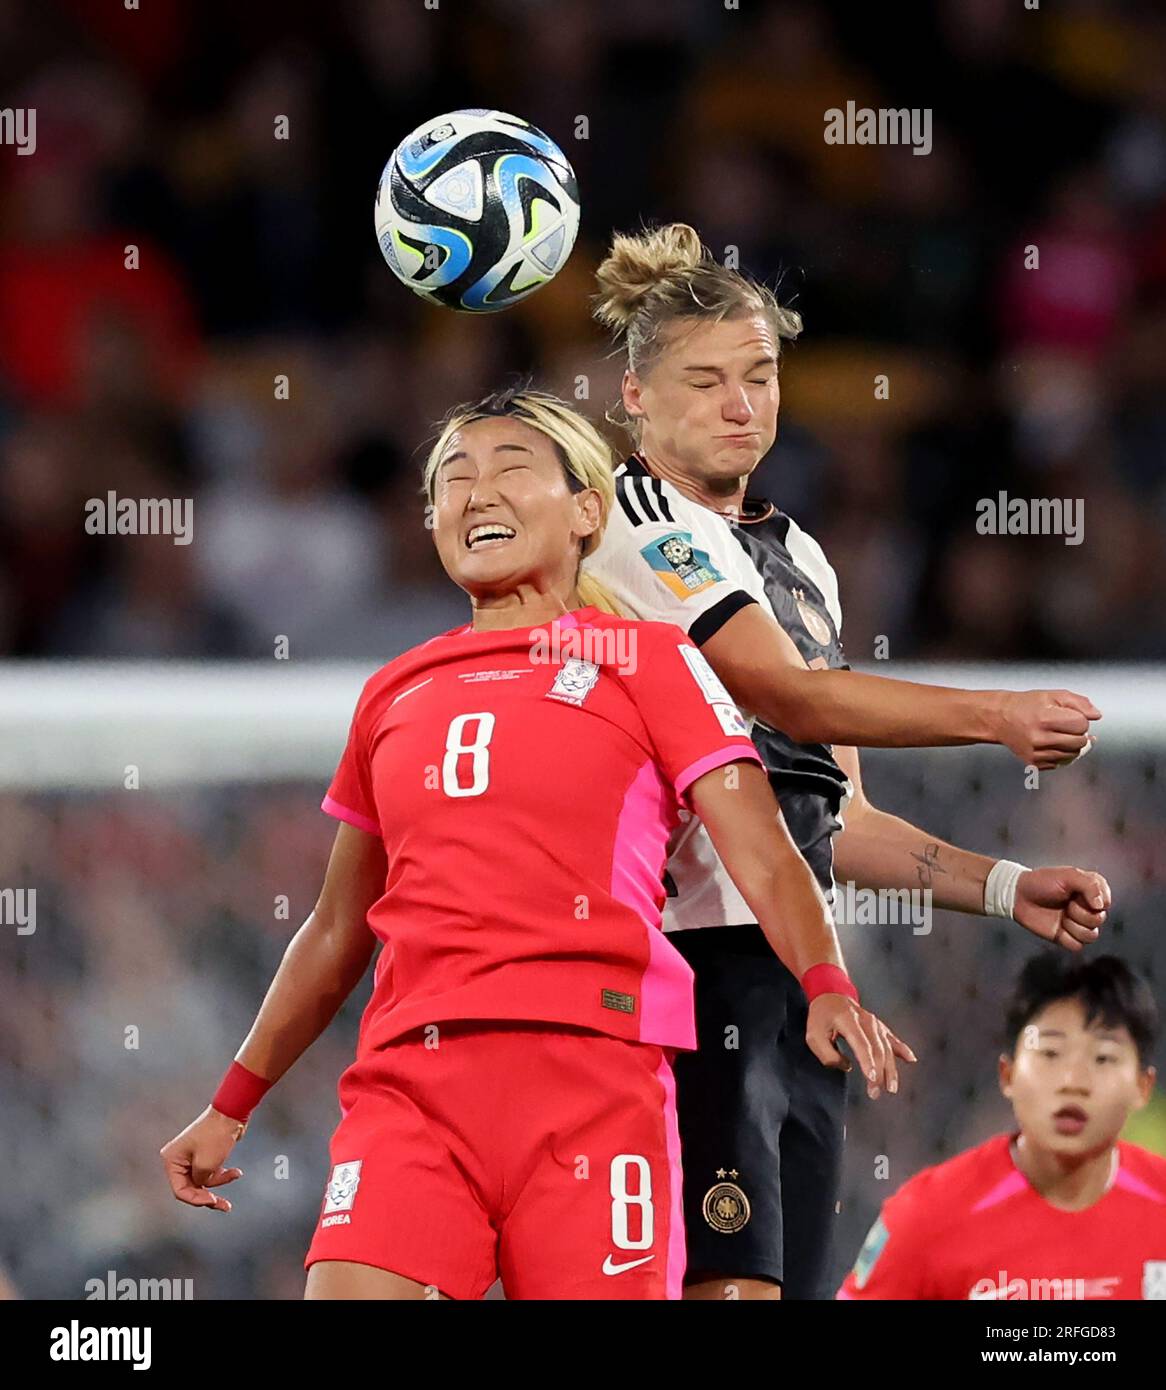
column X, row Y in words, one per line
column 665, row 276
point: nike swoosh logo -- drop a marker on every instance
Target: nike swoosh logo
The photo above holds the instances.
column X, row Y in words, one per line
column 610, row 1268
column 411, row 689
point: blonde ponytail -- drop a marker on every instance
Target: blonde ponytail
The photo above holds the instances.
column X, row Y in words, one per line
column 596, row 595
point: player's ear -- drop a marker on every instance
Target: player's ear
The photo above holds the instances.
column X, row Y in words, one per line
column 588, row 511
column 1146, row 1078
column 1004, row 1069
column 631, row 390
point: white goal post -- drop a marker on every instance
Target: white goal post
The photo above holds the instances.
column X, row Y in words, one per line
column 80, row 724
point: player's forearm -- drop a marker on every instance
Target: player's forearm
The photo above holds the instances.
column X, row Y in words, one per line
column 321, row 967
column 765, row 674
column 875, row 711
column 750, row 835
column 792, row 912
column 878, row 850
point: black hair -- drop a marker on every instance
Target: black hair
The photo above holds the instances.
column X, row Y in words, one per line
column 1109, row 990
column 502, row 401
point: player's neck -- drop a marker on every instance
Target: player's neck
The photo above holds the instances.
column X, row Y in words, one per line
column 527, row 607
column 1071, row 1184
column 719, row 494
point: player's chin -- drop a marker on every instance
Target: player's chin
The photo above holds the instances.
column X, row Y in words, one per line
column 488, row 572
column 1090, row 1140
column 731, row 458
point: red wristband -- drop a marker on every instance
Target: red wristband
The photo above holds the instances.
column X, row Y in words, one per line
column 828, row 979
column 240, row 1091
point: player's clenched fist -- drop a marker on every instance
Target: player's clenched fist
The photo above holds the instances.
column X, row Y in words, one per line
column 874, row 1046
column 1045, row 728
column 194, row 1160
column 1064, row 905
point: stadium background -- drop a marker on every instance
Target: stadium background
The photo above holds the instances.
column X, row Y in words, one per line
column 258, row 257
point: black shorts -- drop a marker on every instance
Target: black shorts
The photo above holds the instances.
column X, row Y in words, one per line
column 761, row 1121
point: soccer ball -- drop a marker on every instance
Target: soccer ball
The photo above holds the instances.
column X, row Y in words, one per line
column 477, row 209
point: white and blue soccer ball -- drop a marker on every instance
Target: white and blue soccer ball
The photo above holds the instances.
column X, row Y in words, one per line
column 476, row 210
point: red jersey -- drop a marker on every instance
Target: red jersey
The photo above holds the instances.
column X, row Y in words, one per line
column 525, row 784
column 973, row 1227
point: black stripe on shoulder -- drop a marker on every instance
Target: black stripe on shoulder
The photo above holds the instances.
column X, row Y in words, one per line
column 713, row 619
column 665, row 510
column 645, row 497
column 622, row 485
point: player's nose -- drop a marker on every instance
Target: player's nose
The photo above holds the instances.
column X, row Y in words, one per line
column 736, row 408
column 482, row 495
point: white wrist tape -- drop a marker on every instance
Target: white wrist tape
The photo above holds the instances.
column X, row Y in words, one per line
column 1000, row 887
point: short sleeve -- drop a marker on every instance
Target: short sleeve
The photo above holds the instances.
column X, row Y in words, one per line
column 665, row 560
column 690, row 716
column 350, row 795
column 892, row 1263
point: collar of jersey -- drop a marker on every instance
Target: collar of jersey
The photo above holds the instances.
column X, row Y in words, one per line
column 573, row 618
column 637, row 466
column 1114, row 1167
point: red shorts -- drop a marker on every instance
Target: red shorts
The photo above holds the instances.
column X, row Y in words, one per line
column 549, row 1157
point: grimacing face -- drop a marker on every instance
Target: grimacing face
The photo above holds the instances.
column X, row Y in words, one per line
column 1073, row 1087
column 503, row 512
column 709, row 402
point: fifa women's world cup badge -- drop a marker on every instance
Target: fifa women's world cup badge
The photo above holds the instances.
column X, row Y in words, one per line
column 680, row 566
column 726, row 1208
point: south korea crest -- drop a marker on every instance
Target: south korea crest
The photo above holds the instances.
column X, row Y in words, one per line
column 340, row 1193
column 1154, row 1279
column 575, row 681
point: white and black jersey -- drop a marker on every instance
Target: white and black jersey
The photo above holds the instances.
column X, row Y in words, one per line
column 667, row 558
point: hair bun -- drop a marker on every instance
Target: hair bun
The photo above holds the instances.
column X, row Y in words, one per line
column 635, row 266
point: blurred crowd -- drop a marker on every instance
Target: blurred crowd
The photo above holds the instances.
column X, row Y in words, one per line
column 256, row 257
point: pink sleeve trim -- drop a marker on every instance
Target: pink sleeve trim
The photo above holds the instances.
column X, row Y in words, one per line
column 732, row 753
column 334, row 808
column 842, row 1294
